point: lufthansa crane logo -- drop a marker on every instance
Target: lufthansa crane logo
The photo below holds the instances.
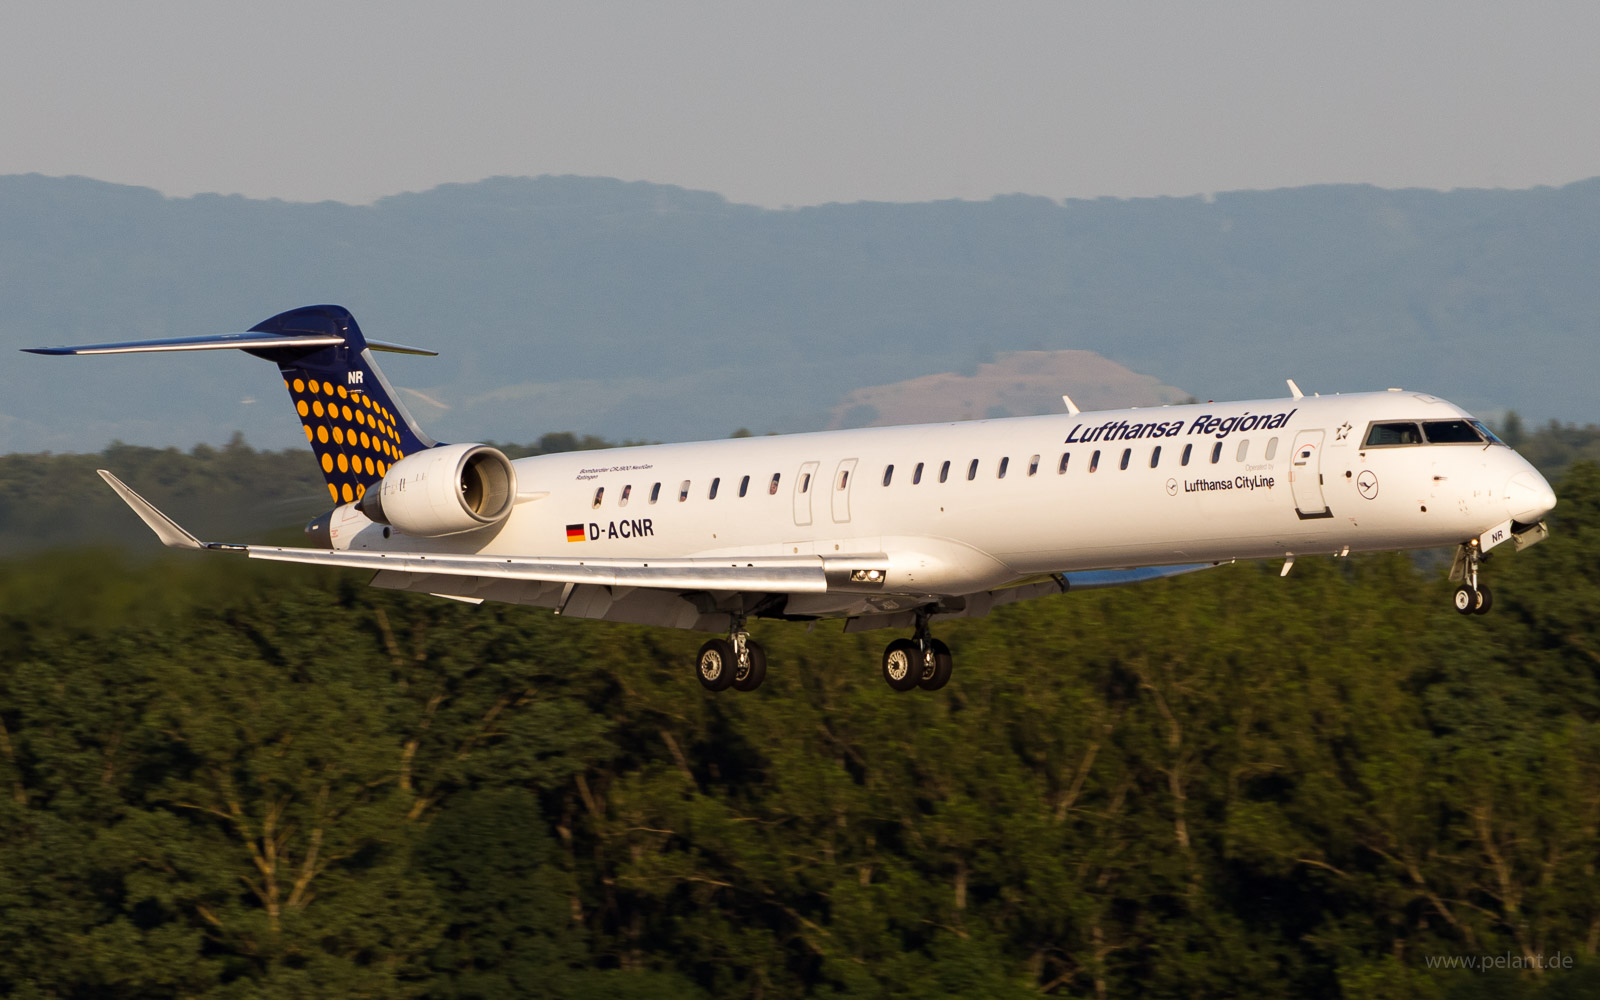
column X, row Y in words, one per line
column 1367, row 484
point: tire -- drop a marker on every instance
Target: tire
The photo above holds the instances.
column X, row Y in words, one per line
column 1484, row 603
column 901, row 660
column 936, row 674
column 1465, row 599
column 755, row 672
column 715, row 665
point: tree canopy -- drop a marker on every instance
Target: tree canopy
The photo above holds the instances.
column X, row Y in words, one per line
column 222, row 779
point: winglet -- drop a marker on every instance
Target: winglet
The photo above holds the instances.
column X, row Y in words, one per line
column 169, row 531
column 1294, row 390
column 1072, row 407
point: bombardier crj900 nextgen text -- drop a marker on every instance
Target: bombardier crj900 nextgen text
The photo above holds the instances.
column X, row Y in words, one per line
column 882, row 527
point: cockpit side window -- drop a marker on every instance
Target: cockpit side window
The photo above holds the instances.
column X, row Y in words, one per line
column 1387, row 434
column 1450, row 432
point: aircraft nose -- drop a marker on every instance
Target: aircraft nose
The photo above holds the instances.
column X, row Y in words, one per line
column 1528, row 497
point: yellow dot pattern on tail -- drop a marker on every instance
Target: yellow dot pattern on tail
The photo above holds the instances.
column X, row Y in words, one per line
column 353, row 421
column 355, row 442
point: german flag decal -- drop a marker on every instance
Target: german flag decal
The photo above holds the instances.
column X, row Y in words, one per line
column 575, row 533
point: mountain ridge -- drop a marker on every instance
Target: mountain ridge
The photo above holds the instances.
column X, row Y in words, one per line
column 637, row 310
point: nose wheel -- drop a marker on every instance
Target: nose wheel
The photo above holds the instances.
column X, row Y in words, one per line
column 1469, row 601
column 1473, row 597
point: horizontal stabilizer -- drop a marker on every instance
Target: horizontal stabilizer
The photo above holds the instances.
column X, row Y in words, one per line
column 218, row 342
column 223, row 342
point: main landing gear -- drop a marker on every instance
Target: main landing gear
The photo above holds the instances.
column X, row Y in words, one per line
column 921, row 661
column 1472, row 597
column 738, row 661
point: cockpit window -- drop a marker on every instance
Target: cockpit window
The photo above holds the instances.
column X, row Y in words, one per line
column 1450, row 432
column 1487, row 433
column 1383, row 435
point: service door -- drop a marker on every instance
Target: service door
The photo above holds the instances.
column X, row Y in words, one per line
column 843, row 482
column 804, row 486
column 1305, row 476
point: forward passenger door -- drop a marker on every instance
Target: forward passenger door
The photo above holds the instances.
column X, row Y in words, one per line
column 1305, row 476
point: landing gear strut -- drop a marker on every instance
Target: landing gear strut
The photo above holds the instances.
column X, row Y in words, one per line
column 921, row 661
column 738, row 661
column 1472, row 597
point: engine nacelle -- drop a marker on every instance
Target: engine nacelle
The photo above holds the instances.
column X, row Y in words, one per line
column 442, row 491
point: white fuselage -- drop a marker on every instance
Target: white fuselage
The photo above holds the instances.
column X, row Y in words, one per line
column 1001, row 501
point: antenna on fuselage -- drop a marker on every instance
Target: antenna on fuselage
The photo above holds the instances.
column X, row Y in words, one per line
column 1072, row 407
column 1294, row 390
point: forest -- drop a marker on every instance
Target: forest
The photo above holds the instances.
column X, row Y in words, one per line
column 223, row 779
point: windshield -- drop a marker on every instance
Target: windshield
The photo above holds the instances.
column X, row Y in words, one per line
column 1398, row 433
column 1451, row 432
column 1487, row 433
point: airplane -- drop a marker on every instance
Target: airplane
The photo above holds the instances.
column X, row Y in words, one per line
column 886, row 527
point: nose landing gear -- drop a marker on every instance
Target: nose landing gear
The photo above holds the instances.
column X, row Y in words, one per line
column 921, row 661
column 1472, row 597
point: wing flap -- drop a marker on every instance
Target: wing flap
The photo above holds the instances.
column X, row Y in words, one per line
column 804, row 575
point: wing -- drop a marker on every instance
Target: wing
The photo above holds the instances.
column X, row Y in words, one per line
column 679, row 593
column 779, row 574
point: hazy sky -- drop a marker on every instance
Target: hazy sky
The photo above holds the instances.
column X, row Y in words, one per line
column 802, row 103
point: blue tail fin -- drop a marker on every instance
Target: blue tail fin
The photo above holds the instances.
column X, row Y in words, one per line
column 349, row 411
column 351, row 417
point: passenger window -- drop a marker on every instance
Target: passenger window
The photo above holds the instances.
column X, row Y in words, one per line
column 1216, row 453
column 1244, row 446
column 944, row 472
column 1272, row 448
column 772, row 490
column 683, row 491
column 599, row 495
column 744, row 486
column 1127, row 453
column 1155, row 457
column 1384, row 435
column 805, row 482
column 1094, row 461
column 844, row 478
column 627, row 491
column 712, row 495
column 1033, row 465
column 916, row 475
column 1450, row 432
column 1064, row 456
column 655, row 492
column 1186, row 450
column 1002, row 473
column 888, row 473
column 972, row 470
